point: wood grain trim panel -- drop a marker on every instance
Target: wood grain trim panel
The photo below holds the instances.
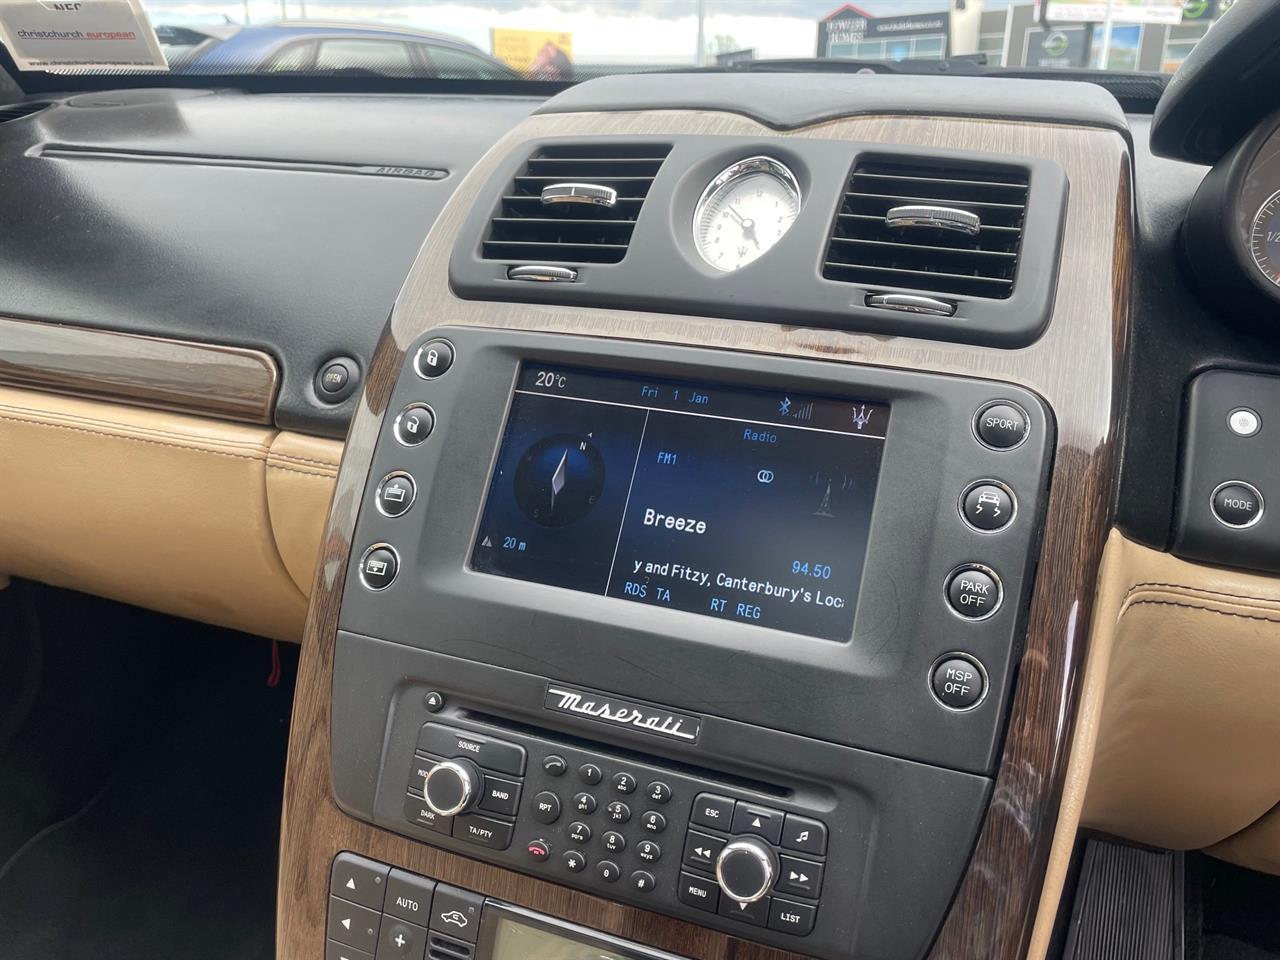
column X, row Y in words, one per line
column 230, row 383
column 1076, row 366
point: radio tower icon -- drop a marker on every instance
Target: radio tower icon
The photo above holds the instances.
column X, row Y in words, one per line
column 861, row 417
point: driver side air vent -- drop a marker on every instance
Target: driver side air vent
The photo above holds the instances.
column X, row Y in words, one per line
column 16, row 111
column 575, row 203
column 937, row 227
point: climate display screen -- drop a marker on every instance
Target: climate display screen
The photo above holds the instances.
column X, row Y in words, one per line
column 748, row 505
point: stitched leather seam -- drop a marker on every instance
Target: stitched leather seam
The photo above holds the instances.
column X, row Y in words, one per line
column 284, row 456
column 1195, row 606
column 48, row 416
column 261, row 457
column 305, row 473
column 118, row 429
column 1213, row 593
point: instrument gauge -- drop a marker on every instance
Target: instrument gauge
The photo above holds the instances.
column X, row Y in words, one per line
column 1264, row 239
column 744, row 212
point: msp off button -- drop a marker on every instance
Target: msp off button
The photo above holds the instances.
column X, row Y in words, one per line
column 958, row 682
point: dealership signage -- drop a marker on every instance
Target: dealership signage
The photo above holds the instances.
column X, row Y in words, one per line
column 850, row 25
column 1122, row 11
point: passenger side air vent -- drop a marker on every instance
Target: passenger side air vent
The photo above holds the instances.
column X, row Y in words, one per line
column 937, row 227
column 16, row 111
column 574, row 203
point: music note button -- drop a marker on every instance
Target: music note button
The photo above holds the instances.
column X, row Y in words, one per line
column 805, row 835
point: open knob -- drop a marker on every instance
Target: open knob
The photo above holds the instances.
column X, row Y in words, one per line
column 452, row 787
column 746, row 869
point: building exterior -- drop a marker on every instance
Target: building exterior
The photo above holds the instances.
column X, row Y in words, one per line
column 1014, row 35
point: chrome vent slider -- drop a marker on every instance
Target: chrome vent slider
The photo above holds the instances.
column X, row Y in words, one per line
column 572, row 203
column 933, row 218
column 919, row 225
column 594, row 194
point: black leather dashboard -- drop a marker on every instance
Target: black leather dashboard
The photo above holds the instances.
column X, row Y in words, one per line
column 285, row 222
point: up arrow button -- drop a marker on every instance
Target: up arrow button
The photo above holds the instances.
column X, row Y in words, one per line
column 761, row 821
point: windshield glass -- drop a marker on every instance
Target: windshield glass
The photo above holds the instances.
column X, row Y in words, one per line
column 569, row 40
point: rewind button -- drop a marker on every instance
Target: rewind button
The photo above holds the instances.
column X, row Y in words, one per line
column 701, row 850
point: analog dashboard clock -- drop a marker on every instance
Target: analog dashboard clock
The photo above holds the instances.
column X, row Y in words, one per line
column 744, row 212
column 1264, row 238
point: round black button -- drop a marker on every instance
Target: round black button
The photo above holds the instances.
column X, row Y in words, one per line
column 658, row 792
column 653, row 821
column 378, row 567
column 538, row 850
column 618, row 812
column 579, row 832
column 434, row 358
column 584, row 803
column 973, row 593
column 414, row 424
column 624, row 783
column 1001, row 425
column 614, row 842
column 643, row 881
column 1237, row 504
column 987, row 506
column 649, row 851
column 608, row 871
column 546, row 807
column 958, row 683
column 554, row 765
column 590, row 773
column 574, row 861
column 434, row 701
column 333, row 378
column 337, row 379
column 395, row 495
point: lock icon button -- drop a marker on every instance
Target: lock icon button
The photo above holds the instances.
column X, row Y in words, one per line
column 433, row 359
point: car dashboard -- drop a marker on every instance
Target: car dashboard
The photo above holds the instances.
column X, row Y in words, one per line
column 749, row 517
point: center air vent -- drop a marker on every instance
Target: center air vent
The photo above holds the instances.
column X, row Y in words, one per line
column 16, row 111
column 575, row 203
column 930, row 226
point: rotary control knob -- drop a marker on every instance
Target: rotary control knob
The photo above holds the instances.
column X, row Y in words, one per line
column 746, row 869
column 452, row 787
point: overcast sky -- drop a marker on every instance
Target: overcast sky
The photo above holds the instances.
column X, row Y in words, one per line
column 608, row 30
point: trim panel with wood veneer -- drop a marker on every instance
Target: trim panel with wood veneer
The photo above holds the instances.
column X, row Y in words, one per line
column 1076, row 366
column 230, row 383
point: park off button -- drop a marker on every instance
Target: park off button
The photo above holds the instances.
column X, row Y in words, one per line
column 974, row 592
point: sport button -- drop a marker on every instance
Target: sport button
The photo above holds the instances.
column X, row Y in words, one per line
column 974, row 593
column 1001, row 425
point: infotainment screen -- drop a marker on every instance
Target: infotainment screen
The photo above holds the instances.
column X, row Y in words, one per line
column 747, row 505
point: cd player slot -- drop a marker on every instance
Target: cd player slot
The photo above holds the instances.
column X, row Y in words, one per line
column 623, row 753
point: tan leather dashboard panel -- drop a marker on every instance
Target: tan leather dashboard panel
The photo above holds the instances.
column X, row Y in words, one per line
column 1186, row 753
column 204, row 519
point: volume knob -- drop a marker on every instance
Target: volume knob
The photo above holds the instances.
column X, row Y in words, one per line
column 452, row 787
column 746, row 869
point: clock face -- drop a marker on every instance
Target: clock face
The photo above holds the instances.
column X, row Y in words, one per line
column 744, row 212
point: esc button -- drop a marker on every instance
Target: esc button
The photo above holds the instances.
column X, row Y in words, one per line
column 712, row 811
